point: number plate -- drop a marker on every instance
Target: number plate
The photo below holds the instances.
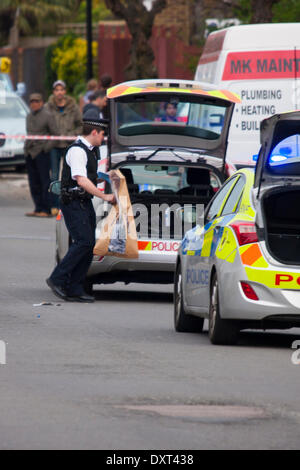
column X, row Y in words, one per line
column 6, row 154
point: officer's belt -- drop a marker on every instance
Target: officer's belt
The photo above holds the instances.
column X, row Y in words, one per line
column 76, row 194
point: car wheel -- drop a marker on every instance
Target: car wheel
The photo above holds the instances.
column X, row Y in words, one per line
column 220, row 331
column 183, row 322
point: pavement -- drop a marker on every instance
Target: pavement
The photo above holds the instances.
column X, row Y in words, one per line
column 115, row 375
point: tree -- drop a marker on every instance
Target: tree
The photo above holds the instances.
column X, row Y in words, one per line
column 262, row 12
column 287, row 11
column 34, row 16
column 99, row 13
column 66, row 60
column 140, row 23
column 268, row 11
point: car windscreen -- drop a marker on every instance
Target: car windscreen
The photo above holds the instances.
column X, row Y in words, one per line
column 285, row 156
column 164, row 179
column 12, row 108
column 187, row 116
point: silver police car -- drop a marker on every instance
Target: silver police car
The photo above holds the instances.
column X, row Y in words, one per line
column 169, row 140
column 240, row 269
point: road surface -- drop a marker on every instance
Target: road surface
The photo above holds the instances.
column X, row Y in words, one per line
column 114, row 375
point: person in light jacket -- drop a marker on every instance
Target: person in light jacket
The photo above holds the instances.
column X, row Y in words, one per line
column 68, row 120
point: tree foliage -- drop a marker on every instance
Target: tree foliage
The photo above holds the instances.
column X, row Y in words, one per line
column 35, row 16
column 286, row 11
column 67, row 61
column 99, row 12
column 140, row 23
column 268, row 11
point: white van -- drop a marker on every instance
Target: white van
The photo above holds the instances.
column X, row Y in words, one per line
column 261, row 63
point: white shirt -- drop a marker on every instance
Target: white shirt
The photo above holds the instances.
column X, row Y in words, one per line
column 76, row 158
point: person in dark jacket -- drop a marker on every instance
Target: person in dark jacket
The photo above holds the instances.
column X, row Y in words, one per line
column 98, row 104
column 39, row 122
column 105, row 84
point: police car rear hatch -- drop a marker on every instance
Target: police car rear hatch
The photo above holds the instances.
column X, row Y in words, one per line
column 279, row 158
column 153, row 116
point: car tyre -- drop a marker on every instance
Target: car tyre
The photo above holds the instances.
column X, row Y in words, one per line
column 223, row 332
column 183, row 322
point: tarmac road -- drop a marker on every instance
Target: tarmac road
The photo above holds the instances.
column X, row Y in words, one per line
column 114, row 374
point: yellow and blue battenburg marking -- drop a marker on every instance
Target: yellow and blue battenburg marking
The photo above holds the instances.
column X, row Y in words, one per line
column 205, row 242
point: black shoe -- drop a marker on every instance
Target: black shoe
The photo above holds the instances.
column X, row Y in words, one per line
column 84, row 298
column 57, row 290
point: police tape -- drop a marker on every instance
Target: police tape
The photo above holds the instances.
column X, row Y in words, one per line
column 21, row 137
column 37, row 137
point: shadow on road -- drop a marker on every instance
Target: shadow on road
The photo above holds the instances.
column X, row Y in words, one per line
column 134, row 296
column 273, row 339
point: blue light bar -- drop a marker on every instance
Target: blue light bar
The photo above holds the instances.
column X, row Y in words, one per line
column 278, row 158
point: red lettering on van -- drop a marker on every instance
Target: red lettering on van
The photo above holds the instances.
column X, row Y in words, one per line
column 257, row 65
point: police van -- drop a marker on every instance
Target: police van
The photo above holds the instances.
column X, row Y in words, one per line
column 261, row 63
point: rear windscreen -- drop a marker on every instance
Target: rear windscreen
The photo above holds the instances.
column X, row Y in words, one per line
column 153, row 179
column 184, row 116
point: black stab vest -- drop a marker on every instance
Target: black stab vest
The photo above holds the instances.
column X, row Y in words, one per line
column 93, row 157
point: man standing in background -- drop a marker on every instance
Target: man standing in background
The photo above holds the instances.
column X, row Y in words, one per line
column 98, row 103
column 68, row 120
column 39, row 122
column 92, row 86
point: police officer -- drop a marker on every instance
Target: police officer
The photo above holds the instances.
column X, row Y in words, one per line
column 78, row 187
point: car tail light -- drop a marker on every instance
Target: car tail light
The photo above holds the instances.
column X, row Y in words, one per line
column 230, row 169
column 249, row 291
column 245, row 232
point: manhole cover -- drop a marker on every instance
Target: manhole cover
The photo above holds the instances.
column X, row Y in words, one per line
column 202, row 412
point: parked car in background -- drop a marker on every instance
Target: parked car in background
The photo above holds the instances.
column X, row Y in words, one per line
column 5, row 82
column 13, row 112
column 242, row 268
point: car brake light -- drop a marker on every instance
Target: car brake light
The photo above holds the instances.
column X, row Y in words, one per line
column 230, row 169
column 249, row 291
column 245, row 232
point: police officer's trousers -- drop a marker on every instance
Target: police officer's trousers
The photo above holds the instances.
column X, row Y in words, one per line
column 80, row 220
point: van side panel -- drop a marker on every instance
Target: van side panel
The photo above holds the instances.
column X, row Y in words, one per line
column 267, row 79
